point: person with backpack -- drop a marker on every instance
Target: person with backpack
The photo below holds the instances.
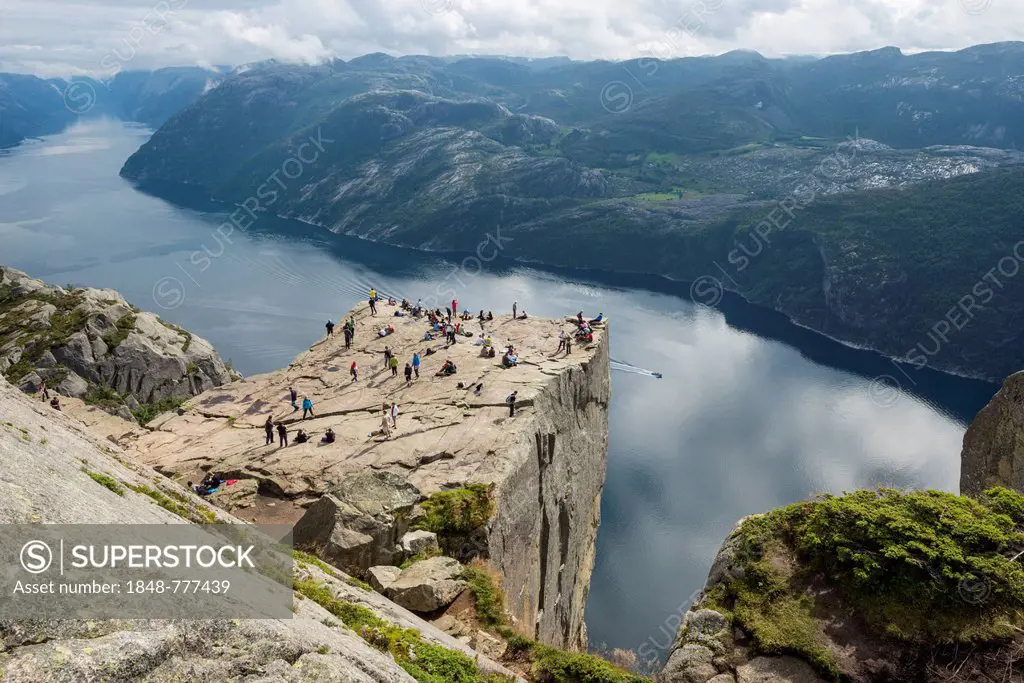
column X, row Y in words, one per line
column 282, row 432
column 330, row 328
column 511, row 401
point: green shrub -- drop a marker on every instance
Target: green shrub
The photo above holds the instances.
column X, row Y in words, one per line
column 103, row 396
column 458, row 512
column 487, row 595
column 147, row 411
column 920, row 567
column 558, row 666
column 124, row 326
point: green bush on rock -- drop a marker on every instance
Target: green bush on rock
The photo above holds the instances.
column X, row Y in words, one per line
column 458, row 512
column 922, row 567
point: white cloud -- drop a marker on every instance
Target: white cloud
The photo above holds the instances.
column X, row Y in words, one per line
column 53, row 37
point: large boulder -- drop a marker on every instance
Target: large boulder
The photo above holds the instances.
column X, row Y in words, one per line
column 776, row 670
column 383, row 576
column 358, row 524
column 993, row 452
column 428, row 585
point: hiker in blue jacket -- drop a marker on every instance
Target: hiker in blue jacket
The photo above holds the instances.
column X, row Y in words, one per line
column 307, row 407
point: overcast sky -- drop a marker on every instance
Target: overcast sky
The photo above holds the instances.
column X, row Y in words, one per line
column 60, row 37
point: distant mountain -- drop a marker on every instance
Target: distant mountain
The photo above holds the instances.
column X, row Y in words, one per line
column 31, row 106
column 649, row 166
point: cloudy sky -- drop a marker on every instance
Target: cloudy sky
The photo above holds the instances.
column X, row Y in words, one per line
column 60, row 37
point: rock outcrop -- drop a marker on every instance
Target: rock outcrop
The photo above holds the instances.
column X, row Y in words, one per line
column 546, row 464
column 93, row 344
column 993, row 452
column 427, row 585
column 56, row 471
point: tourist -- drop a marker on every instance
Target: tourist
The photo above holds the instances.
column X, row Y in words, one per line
column 354, row 371
column 55, row 403
column 385, row 425
column 511, row 401
column 348, row 337
column 455, row 306
column 561, row 340
column 282, row 433
column 44, row 393
column 328, row 436
column 294, row 395
column 394, row 414
column 307, row 407
column 330, row 328
column 490, row 316
column 482, row 317
column 268, row 427
column 394, row 366
column 568, row 344
column 373, row 301
column 515, row 307
column 408, row 373
column 387, row 356
column 301, row 437
column 598, row 319
column 579, row 318
column 416, row 364
column 447, row 369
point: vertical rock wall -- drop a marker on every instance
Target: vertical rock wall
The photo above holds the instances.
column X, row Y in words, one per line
column 543, row 535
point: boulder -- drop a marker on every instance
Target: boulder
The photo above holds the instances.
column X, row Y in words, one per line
column 358, row 524
column 428, row 585
column 691, row 663
column 381, row 577
column 73, row 385
column 776, row 670
column 237, row 496
column 488, row 645
column 416, row 542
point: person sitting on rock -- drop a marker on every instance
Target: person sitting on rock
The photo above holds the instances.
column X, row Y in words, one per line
column 55, row 403
column 447, row 369
column 490, row 316
column 482, row 317
column 301, row 437
column 328, row 436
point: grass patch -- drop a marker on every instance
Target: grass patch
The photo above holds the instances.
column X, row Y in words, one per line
column 106, row 480
column 485, row 585
column 458, row 512
column 356, row 583
column 178, row 507
column 557, row 666
column 426, row 662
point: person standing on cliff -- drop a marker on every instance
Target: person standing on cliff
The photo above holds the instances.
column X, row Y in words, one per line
column 408, row 373
column 394, row 366
column 348, row 337
column 387, row 356
column 455, row 307
column 282, row 432
column 268, row 427
column 515, row 307
column 394, row 414
column 511, row 401
column 561, row 340
column 307, row 407
column 330, row 328
column 416, row 364
column 294, row 395
column 373, row 301
column 354, row 371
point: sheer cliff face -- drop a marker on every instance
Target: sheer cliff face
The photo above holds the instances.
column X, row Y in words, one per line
column 993, row 453
column 543, row 536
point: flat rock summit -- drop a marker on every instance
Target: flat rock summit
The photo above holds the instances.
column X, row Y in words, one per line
column 545, row 464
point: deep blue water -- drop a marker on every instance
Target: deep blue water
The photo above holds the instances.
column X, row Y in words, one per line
column 752, row 413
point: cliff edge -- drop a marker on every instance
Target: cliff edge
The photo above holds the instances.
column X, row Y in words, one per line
column 524, row 490
column 993, row 452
